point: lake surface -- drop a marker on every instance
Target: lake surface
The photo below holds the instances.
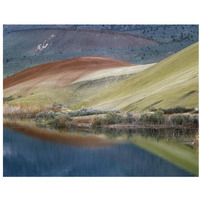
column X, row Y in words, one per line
column 24, row 155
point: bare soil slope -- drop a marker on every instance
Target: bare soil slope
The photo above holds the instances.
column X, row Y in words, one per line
column 58, row 74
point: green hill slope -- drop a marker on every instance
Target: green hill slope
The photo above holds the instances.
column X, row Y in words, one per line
column 68, row 95
column 171, row 82
column 75, row 92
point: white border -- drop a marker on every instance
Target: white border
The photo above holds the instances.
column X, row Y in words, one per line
column 97, row 12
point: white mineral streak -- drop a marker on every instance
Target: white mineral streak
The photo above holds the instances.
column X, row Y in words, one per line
column 44, row 45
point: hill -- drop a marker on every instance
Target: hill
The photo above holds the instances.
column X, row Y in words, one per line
column 27, row 48
column 78, row 79
column 57, row 74
column 171, row 82
column 79, row 90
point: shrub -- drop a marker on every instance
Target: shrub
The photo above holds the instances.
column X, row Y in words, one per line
column 129, row 118
column 185, row 120
column 196, row 110
column 88, row 111
column 110, row 118
column 152, row 109
column 46, row 115
column 177, row 109
column 57, row 105
column 196, row 142
column 98, row 122
column 61, row 121
column 156, row 118
column 58, row 120
column 6, row 99
column 113, row 118
column 194, row 120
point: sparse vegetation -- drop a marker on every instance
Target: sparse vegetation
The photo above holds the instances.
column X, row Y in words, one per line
column 10, row 111
column 57, row 120
column 177, row 109
column 49, row 117
column 158, row 118
column 89, row 111
column 196, row 142
column 112, row 118
column 9, row 98
column 184, row 120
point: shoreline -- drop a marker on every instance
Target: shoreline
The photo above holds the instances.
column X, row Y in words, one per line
column 135, row 126
column 96, row 140
column 75, row 139
column 86, row 122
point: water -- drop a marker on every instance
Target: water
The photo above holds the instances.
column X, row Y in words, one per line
column 24, row 155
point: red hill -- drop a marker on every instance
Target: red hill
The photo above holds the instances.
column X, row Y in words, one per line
column 59, row 74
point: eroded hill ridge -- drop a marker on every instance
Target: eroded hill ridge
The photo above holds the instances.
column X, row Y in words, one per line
column 59, row 74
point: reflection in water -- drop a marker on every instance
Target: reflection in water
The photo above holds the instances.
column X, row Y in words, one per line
column 27, row 156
